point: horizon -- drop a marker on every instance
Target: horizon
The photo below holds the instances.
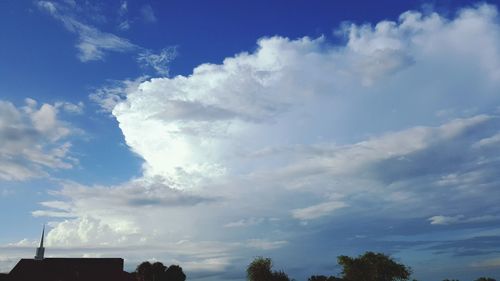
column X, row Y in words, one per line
column 208, row 133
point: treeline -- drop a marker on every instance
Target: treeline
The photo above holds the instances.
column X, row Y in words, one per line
column 367, row 267
column 147, row 271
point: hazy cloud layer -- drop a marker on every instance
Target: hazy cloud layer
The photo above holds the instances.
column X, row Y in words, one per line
column 282, row 146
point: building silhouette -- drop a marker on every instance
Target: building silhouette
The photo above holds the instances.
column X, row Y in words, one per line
column 66, row 269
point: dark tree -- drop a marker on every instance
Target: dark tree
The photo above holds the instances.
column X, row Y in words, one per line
column 260, row 269
column 158, row 272
column 485, row 279
column 323, row 278
column 372, row 267
column 318, row 278
column 280, row 276
column 174, row 273
column 144, row 271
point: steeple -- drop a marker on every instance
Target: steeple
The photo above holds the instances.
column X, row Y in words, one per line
column 40, row 250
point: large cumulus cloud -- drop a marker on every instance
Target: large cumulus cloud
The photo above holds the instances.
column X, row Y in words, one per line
column 399, row 123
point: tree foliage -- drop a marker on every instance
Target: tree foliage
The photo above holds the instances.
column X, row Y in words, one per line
column 144, row 271
column 367, row 267
column 158, row 272
column 372, row 267
column 280, row 276
column 323, row 278
column 260, row 269
column 175, row 273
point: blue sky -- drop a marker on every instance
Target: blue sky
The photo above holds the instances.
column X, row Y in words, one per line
column 205, row 133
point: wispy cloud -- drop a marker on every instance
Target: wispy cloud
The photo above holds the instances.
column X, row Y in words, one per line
column 123, row 21
column 264, row 244
column 148, row 14
column 448, row 220
column 92, row 43
column 318, row 210
column 158, row 61
column 123, row 9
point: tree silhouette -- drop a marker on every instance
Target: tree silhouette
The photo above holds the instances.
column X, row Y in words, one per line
column 485, row 279
column 175, row 273
column 372, row 267
column 280, row 276
column 144, row 271
column 323, row 278
column 158, row 272
column 260, row 270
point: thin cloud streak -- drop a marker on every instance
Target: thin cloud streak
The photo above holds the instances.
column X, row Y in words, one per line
column 92, row 43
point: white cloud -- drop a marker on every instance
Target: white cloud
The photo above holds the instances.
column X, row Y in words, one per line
column 109, row 97
column 217, row 264
column 287, row 86
column 49, row 6
column 92, row 43
column 7, row 263
column 264, row 244
column 24, row 243
column 33, row 140
column 124, row 25
column 119, row 223
column 123, row 8
column 85, row 230
column 159, row 62
column 245, row 222
column 123, row 21
column 489, row 141
column 148, row 14
column 447, row 220
column 317, row 211
column 273, row 117
column 71, row 107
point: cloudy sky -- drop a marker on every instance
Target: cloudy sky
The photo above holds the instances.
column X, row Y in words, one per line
column 206, row 133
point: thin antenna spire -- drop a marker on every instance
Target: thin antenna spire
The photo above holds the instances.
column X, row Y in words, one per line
column 40, row 251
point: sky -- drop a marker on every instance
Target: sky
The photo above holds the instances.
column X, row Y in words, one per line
column 207, row 133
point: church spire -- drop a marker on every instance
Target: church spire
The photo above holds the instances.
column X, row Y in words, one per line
column 40, row 250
